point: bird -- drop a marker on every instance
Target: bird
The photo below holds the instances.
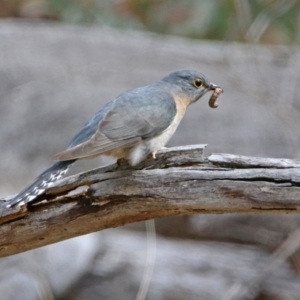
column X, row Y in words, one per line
column 134, row 125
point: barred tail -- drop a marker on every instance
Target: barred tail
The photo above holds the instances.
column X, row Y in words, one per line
column 42, row 182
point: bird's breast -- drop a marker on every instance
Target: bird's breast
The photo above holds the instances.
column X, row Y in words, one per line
column 161, row 140
column 139, row 152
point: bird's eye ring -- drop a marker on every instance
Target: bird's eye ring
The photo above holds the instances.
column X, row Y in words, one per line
column 198, row 83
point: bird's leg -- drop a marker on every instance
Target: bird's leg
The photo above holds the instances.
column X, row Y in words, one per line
column 154, row 153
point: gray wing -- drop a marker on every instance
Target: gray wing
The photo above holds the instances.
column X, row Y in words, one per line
column 133, row 116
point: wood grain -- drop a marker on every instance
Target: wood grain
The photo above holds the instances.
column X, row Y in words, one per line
column 179, row 182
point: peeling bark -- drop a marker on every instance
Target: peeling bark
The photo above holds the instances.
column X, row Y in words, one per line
column 179, row 182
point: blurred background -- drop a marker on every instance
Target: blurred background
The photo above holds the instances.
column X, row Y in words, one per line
column 62, row 60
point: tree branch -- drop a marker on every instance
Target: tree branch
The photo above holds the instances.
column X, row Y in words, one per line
column 179, row 182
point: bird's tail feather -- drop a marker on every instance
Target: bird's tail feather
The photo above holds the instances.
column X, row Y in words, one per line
column 41, row 183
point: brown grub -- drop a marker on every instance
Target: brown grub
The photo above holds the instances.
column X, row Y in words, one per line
column 213, row 98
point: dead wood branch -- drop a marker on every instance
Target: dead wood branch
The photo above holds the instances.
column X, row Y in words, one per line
column 179, row 182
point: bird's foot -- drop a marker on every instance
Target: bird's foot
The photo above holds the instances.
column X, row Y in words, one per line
column 154, row 153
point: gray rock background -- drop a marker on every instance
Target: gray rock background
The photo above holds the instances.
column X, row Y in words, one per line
column 53, row 78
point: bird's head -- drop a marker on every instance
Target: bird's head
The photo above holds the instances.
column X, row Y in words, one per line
column 191, row 84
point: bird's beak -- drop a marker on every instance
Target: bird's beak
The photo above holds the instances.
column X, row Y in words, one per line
column 213, row 86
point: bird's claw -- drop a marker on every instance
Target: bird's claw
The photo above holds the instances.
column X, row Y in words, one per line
column 154, row 153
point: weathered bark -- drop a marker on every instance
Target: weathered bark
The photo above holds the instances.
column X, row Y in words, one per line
column 179, row 182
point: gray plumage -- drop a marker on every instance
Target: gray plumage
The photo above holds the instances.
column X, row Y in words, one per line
column 133, row 125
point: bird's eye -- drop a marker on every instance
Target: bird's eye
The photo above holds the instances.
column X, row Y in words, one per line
column 198, row 83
